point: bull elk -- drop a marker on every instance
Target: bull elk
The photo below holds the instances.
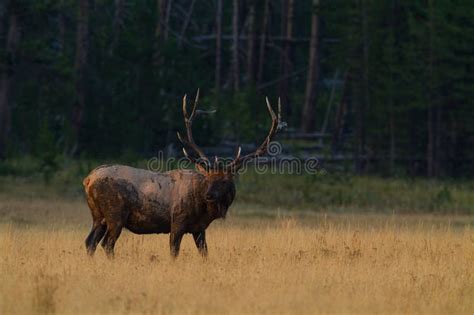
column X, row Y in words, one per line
column 176, row 202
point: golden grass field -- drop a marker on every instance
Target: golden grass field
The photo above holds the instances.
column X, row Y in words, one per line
column 304, row 264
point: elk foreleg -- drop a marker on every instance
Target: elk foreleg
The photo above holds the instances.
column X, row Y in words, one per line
column 200, row 240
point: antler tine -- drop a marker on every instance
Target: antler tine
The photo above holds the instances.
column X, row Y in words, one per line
column 270, row 109
column 179, row 138
column 190, row 118
column 193, row 112
column 188, row 121
column 264, row 146
column 275, row 121
column 189, row 156
column 185, row 111
column 186, row 153
column 237, row 156
column 196, row 99
column 279, row 109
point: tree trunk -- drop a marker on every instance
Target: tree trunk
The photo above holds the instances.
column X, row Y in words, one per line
column 117, row 24
column 283, row 25
column 392, row 138
column 309, row 107
column 365, row 103
column 186, row 23
column 3, row 9
column 61, row 27
column 286, row 66
column 437, row 131
column 251, row 43
column 391, row 94
column 263, row 38
column 328, row 110
column 218, row 46
column 159, row 30
column 341, row 114
column 235, row 46
column 431, row 154
column 13, row 38
column 431, row 140
column 166, row 25
column 160, row 16
column 80, row 64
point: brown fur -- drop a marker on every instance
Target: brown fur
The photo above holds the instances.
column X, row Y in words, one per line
column 145, row 202
column 175, row 202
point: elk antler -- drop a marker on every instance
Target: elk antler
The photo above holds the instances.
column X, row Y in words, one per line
column 276, row 125
column 188, row 121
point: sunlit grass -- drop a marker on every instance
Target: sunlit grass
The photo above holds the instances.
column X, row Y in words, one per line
column 262, row 260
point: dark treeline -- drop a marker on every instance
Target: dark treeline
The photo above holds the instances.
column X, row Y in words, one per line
column 390, row 80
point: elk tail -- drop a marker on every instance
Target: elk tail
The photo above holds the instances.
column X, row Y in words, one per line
column 86, row 181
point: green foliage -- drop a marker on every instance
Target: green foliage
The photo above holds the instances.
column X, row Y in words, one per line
column 135, row 83
column 442, row 198
column 342, row 193
column 325, row 192
column 21, row 167
column 47, row 153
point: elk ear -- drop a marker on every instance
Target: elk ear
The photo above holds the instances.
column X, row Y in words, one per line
column 200, row 169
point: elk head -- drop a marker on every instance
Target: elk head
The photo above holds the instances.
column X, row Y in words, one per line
column 219, row 176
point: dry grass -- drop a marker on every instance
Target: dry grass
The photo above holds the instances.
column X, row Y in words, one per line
column 308, row 264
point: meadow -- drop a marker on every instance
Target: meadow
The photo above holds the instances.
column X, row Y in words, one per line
column 264, row 258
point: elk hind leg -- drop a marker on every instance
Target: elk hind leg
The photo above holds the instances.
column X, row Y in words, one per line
column 111, row 236
column 96, row 234
column 175, row 242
